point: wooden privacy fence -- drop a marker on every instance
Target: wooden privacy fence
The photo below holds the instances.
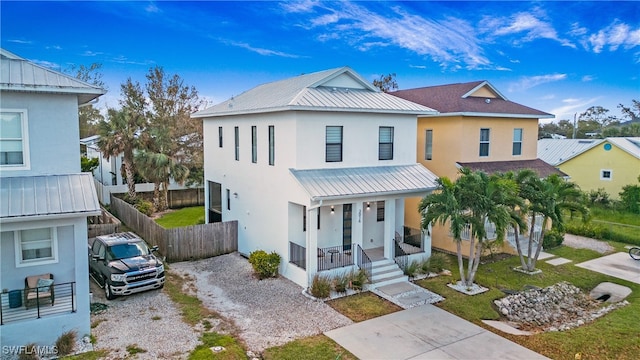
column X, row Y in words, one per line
column 179, row 244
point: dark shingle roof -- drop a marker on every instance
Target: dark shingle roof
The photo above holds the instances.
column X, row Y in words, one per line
column 459, row 99
column 540, row 167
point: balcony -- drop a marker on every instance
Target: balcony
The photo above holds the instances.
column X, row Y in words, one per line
column 12, row 304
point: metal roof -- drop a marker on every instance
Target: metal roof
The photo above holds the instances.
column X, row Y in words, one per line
column 557, row 151
column 340, row 89
column 25, row 196
column 325, row 184
column 18, row 74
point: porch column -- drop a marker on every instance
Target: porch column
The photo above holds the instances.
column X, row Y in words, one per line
column 357, row 226
column 312, row 243
column 389, row 227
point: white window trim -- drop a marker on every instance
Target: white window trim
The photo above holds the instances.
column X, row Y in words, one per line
column 25, row 142
column 604, row 178
column 18, row 249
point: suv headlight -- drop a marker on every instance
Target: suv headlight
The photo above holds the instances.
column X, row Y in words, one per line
column 118, row 277
column 160, row 269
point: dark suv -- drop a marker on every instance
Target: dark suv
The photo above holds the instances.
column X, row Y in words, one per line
column 123, row 264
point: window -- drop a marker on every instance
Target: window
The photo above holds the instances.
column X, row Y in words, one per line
column 215, row 202
column 484, row 142
column 517, row 142
column 36, row 246
column 380, row 210
column 385, row 143
column 237, row 140
column 219, row 136
column 304, row 218
column 228, row 199
column 318, row 210
column 428, row 145
column 333, row 151
column 13, row 140
column 254, row 144
column 272, row 145
column 606, row 174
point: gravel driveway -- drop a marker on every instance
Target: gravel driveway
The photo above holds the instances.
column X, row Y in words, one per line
column 266, row 312
column 581, row 242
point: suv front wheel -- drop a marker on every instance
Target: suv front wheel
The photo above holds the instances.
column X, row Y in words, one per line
column 107, row 291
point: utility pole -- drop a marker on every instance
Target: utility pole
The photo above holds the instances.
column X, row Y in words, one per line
column 575, row 126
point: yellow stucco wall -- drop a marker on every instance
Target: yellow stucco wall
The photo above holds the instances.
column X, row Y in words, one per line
column 585, row 169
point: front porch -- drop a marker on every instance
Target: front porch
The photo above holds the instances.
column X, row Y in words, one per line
column 13, row 307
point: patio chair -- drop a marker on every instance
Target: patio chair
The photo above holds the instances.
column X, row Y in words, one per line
column 320, row 253
column 38, row 289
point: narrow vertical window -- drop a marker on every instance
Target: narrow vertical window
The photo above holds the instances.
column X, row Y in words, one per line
column 219, row 136
column 254, row 144
column 517, row 142
column 380, row 211
column 228, row 199
column 385, row 143
column 237, row 140
column 318, row 210
column 428, row 145
column 333, row 151
column 484, row 142
column 304, row 218
column 272, row 145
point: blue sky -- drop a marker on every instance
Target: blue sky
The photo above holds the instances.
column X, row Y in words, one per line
column 560, row 57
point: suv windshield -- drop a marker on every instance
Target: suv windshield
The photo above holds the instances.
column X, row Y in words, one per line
column 128, row 250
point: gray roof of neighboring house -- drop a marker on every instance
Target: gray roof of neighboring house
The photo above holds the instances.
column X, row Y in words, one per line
column 18, row 74
column 319, row 91
column 558, row 151
column 25, row 196
column 459, row 99
column 325, row 184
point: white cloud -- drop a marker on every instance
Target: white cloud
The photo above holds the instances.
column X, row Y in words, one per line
column 299, row 6
column 418, row 66
column 587, row 78
column 573, row 106
column 526, row 83
column 18, row 41
column 261, row 51
column 529, row 25
column 613, row 37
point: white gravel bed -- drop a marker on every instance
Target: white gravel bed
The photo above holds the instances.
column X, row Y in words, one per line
column 581, row 242
column 267, row 312
column 148, row 320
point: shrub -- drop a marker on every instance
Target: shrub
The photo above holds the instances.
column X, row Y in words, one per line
column 411, row 269
column 599, row 232
column 145, row 207
column 320, row 287
column 357, row 279
column 552, row 238
column 340, row 283
column 435, row 264
column 630, row 198
column 66, row 343
column 28, row 352
column 598, row 197
column 265, row 265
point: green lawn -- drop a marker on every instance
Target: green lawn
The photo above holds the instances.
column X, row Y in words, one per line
column 182, row 217
column 614, row 336
column 317, row 347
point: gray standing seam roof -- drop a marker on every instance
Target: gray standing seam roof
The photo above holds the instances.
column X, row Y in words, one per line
column 25, row 196
column 364, row 181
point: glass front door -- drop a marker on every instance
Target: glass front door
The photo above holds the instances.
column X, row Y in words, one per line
column 346, row 226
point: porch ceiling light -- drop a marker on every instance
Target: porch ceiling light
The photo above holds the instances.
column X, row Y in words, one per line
column 332, row 209
column 368, row 205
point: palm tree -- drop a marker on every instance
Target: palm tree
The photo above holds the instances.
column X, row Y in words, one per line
column 160, row 168
column 472, row 200
column 550, row 197
column 118, row 136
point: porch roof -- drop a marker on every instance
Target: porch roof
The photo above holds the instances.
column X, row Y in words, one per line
column 325, row 184
column 46, row 195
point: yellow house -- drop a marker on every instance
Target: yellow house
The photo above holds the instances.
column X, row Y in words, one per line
column 593, row 164
column 478, row 128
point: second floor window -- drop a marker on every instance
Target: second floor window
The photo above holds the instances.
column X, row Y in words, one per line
column 13, row 140
column 517, row 142
column 272, row 145
column 254, row 144
column 237, row 142
column 385, row 143
column 484, row 142
column 219, row 136
column 333, row 150
column 428, row 145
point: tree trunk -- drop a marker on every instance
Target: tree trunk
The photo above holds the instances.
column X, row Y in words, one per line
column 165, row 195
column 472, row 256
column 460, row 262
column 128, row 169
column 530, row 244
column 476, row 263
column 516, row 234
column 542, row 232
column 156, row 196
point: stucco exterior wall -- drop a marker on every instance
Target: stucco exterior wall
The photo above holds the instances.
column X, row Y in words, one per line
column 53, row 132
column 585, row 169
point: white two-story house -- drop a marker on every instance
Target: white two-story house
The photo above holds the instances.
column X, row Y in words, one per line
column 315, row 168
column 44, row 205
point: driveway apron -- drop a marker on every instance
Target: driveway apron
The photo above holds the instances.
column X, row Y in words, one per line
column 426, row 332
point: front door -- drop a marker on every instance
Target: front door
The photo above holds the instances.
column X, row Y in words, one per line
column 346, row 226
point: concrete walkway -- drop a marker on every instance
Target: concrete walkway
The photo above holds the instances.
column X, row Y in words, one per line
column 425, row 332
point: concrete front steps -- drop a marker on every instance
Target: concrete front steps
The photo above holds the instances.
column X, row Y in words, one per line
column 386, row 272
